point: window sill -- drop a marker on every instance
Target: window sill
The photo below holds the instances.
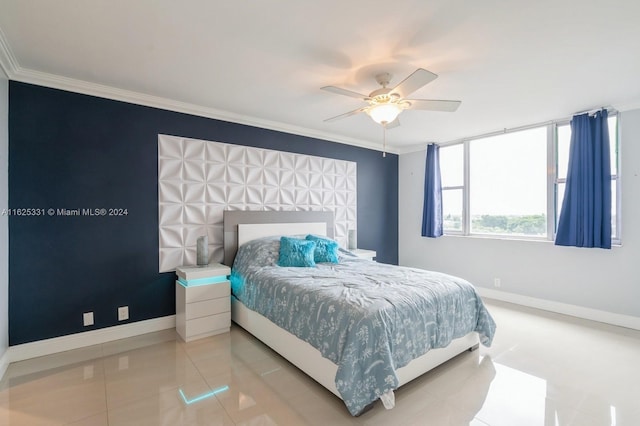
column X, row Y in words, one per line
column 614, row 243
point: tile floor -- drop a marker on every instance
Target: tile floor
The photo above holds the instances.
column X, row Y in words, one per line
column 543, row 369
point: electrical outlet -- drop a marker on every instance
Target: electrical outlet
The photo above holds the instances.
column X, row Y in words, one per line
column 496, row 282
column 87, row 318
column 123, row 313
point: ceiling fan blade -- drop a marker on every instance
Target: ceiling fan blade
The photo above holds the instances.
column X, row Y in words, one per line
column 346, row 114
column 395, row 123
column 345, row 92
column 434, row 105
column 419, row 78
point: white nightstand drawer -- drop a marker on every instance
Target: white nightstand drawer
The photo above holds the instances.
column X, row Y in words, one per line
column 203, row 302
column 205, row 292
column 207, row 307
column 210, row 325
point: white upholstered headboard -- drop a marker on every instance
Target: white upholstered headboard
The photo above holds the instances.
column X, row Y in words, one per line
column 257, row 224
column 251, row 231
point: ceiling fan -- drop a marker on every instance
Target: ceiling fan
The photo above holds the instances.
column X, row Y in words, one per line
column 385, row 104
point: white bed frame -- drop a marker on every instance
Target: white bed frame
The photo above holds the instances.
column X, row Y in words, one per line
column 298, row 352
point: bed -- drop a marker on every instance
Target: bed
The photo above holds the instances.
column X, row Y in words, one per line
column 359, row 328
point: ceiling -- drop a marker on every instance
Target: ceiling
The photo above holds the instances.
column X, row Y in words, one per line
column 262, row 62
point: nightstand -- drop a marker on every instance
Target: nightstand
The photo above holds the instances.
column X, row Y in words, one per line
column 365, row 254
column 203, row 302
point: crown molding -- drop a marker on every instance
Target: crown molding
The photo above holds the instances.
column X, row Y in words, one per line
column 412, row 149
column 629, row 106
column 8, row 62
column 109, row 92
column 13, row 71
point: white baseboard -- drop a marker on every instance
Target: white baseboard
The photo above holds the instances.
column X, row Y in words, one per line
column 563, row 308
column 84, row 339
column 4, row 363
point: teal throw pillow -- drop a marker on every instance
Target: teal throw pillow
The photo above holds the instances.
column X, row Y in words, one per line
column 296, row 252
column 326, row 249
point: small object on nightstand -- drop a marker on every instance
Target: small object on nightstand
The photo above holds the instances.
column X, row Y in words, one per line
column 202, row 251
column 353, row 239
column 364, row 253
column 203, row 305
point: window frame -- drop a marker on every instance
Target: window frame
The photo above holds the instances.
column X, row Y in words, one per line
column 465, row 174
column 553, row 204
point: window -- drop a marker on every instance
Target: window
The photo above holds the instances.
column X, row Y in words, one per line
column 508, row 182
column 452, row 160
column 512, row 184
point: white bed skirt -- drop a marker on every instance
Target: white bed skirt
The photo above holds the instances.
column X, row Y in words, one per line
column 308, row 359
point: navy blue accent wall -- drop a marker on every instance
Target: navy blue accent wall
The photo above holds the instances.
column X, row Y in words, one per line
column 73, row 151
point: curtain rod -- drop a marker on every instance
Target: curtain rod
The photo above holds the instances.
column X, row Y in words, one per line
column 610, row 109
column 593, row 111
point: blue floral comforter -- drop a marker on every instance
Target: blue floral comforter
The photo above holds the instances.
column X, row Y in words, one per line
column 366, row 317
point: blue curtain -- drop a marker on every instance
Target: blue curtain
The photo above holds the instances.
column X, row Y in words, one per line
column 432, row 209
column 585, row 217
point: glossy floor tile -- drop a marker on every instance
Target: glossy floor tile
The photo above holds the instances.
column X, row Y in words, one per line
column 543, row 369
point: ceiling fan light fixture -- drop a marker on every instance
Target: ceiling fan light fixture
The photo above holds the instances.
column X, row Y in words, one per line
column 384, row 113
column 385, row 103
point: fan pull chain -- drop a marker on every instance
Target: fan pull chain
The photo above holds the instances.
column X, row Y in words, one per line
column 384, row 140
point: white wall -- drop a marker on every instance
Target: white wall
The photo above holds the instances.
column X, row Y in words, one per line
column 4, row 221
column 597, row 279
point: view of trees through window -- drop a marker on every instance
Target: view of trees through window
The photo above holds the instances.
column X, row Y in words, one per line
column 500, row 224
column 510, row 225
column 508, row 183
column 507, row 179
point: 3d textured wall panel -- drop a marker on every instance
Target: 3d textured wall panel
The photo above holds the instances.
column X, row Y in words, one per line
column 198, row 180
